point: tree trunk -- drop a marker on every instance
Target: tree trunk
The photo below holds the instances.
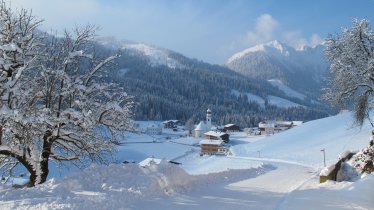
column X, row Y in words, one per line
column 30, row 169
column 47, row 144
column 1, row 134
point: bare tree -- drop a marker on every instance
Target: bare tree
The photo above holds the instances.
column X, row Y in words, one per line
column 351, row 54
column 18, row 49
column 66, row 111
column 190, row 125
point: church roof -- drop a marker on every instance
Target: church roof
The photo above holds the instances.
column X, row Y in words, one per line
column 201, row 126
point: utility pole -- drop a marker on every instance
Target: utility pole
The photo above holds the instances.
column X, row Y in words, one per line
column 324, row 157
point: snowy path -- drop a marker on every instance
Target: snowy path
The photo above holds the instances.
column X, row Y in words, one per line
column 261, row 192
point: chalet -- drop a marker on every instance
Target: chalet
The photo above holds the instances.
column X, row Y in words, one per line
column 170, row 123
column 212, row 147
column 231, row 128
column 153, row 130
column 213, row 135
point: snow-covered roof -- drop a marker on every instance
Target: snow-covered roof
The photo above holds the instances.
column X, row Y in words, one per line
column 168, row 121
column 211, row 142
column 214, row 133
column 150, row 161
column 327, row 170
column 264, row 125
column 201, row 126
column 297, row 122
column 287, row 123
column 229, row 125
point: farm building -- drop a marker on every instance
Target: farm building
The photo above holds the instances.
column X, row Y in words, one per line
column 212, row 147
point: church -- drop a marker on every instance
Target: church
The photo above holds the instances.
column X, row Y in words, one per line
column 204, row 126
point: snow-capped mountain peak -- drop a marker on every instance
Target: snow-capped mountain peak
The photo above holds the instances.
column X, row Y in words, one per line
column 302, row 70
column 274, row 46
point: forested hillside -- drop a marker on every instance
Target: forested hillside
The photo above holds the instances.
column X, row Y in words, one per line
column 186, row 92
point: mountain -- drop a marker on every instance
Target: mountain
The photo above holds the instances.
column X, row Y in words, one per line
column 168, row 85
column 303, row 70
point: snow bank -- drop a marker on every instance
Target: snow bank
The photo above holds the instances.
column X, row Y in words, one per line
column 332, row 195
column 115, row 187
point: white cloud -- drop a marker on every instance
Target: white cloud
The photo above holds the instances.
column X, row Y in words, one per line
column 267, row 28
column 264, row 31
column 296, row 39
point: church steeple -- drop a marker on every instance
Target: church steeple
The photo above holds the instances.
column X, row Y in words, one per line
column 209, row 119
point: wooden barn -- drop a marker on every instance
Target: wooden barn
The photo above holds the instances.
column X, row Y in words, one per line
column 214, row 135
column 231, row 128
column 212, row 147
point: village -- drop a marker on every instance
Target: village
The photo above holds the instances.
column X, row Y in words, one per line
column 211, row 139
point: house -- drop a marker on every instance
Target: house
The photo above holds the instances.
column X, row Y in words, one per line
column 153, row 129
column 203, row 126
column 170, row 123
column 271, row 127
column 214, row 135
column 231, row 128
column 212, row 147
column 266, row 128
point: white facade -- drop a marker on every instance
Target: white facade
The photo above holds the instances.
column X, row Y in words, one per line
column 204, row 126
column 153, row 130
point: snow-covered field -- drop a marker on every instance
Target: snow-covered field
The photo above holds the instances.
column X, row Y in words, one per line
column 275, row 172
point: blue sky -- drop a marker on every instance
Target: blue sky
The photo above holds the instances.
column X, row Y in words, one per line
column 209, row 30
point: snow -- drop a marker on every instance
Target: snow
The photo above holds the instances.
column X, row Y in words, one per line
column 281, row 102
column 156, row 55
column 273, row 100
column 287, row 90
column 303, row 143
column 211, row 142
column 261, row 47
column 276, row 172
column 332, row 195
column 251, row 97
column 150, row 161
column 214, row 133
